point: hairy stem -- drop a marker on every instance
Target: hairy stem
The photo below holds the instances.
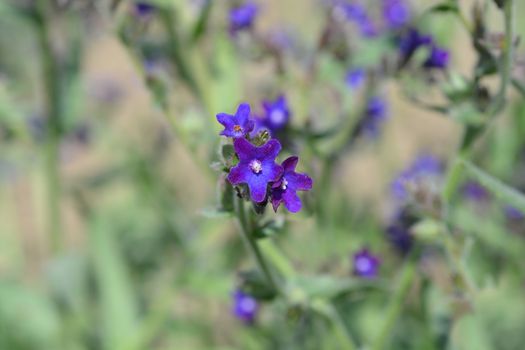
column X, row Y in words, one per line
column 396, row 304
column 251, row 243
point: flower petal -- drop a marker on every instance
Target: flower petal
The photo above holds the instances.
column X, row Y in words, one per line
column 272, row 170
column 290, row 163
column 292, row 202
column 243, row 113
column 238, row 174
column 271, row 149
column 257, row 187
column 300, row 182
column 226, row 119
column 277, row 198
column 244, row 149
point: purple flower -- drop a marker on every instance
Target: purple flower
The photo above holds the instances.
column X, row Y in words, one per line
column 144, row 8
column 410, row 42
column 285, row 190
column 245, row 307
column 277, row 113
column 396, row 13
column 256, row 166
column 242, row 17
column 424, row 166
column 398, row 231
column 473, row 191
column 514, row 214
column 376, row 112
column 438, row 58
column 357, row 14
column 355, row 78
column 237, row 125
column 365, row 264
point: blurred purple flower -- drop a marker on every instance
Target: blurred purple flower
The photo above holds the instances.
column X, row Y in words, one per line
column 376, row 112
column 357, row 14
column 365, row 264
column 513, row 213
column 423, row 166
column 396, row 13
column 237, row 125
column 277, row 113
column 398, row 230
column 242, row 17
column 245, row 307
column 144, row 8
column 473, row 191
column 284, row 190
column 256, row 167
column 438, row 58
column 410, row 42
column 355, row 77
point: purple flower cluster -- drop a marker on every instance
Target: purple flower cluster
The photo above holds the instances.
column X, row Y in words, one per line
column 257, row 167
column 242, row 17
column 245, row 307
column 412, row 40
column 366, row 265
column 423, row 167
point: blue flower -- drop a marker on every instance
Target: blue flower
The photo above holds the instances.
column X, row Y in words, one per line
column 256, row 167
column 277, row 113
column 424, row 166
column 376, row 112
column 358, row 15
column 438, row 58
column 365, row 264
column 242, row 17
column 238, row 125
column 355, row 78
column 398, row 230
column 144, row 8
column 473, row 191
column 245, row 307
column 410, row 42
column 514, row 214
column 396, row 13
column 285, row 190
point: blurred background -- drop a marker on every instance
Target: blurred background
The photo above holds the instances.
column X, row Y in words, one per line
column 110, row 237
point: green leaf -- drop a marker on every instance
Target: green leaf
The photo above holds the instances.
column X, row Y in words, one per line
column 118, row 306
column 499, row 189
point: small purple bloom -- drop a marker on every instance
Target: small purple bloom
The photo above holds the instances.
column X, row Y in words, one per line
column 357, row 13
column 423, row 166
column 398, row 230
column 237, row 125
column 365, row 264
column 144, row 8
column 438, row 58
column 277, row 113
column 256, row 167
column 514, row 214
column 376, row 113
column 285, row 190
column 245, row 307
column 473, row 191
column 410, row 42
column 355, row 78
column 242, row 17
column 396, row 13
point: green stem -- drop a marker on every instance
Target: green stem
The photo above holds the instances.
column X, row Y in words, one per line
column 51, row 76
column 326, row 309
column 251, row 243
column 396, row 304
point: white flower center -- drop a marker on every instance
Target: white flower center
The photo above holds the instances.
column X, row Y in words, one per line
column 363, row 264
column 277, row 116
column 256, row 166
column 284, row 184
